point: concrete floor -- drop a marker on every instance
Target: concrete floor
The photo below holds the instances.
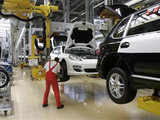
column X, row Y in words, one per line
column 84, row 98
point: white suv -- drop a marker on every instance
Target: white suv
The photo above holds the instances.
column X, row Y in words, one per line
column 78, row 56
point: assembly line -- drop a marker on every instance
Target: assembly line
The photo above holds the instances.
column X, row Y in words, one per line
column 85, row 60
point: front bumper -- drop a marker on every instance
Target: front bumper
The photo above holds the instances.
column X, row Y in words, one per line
column 85, row 67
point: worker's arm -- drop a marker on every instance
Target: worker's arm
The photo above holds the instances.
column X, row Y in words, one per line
column 46, row 66
column 58, row 70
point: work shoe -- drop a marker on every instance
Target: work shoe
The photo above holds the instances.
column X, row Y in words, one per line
column 45, row 105
column 62, row 106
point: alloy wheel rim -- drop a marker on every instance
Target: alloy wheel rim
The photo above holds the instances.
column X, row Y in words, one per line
column 3, row 78
column 116, row 85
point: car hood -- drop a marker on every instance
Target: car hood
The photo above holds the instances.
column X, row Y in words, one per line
column 82, row 34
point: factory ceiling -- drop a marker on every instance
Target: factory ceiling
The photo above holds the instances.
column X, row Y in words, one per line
column 77, row 7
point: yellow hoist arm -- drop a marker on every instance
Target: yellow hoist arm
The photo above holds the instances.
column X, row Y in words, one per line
column 22, row 8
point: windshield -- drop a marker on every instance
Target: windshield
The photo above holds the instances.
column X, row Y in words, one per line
column 147, row 21
column 82, row 36
column 83, row 52
column 59, row 40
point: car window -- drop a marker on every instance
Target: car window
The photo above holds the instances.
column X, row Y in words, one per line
column 59, row 40
column 119, row 30
column 57, row 50
column 145, row 22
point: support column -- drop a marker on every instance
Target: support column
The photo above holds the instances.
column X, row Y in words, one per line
column 66, row 6
column 30, row 39
column 108, row 2
column 27, row 39
column 13, row 43
column 91, row 11
column 89, row 8
column 24, row 49
column 48, row 24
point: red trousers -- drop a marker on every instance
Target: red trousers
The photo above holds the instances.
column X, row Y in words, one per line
column 52, row 80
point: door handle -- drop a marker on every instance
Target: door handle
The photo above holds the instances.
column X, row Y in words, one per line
column 125, row 45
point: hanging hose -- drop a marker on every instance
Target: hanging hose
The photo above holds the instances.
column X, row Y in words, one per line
column 28, row 20
column 44, row 39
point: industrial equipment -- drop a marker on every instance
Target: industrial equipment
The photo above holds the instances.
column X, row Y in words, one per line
column 22, row 10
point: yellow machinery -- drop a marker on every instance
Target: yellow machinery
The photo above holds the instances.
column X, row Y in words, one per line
column 22, row 10
column 38, row 73
column 149, row 103
column 37, row 70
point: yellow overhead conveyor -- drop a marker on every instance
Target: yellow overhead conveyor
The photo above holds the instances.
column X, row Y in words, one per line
column 22, row 10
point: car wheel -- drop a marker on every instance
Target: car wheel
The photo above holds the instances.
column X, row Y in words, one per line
column 63, row 73
column 4, row 78
column 118, row 86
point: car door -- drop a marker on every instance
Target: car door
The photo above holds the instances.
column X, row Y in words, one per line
column 141, row 47
column 113, row 39
column 111, row 43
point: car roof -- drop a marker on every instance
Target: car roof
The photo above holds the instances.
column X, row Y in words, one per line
column 143, row 9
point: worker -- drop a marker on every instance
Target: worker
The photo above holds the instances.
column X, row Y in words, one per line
column 52, row 68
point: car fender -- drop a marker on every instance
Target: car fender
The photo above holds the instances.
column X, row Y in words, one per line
column 108, row 61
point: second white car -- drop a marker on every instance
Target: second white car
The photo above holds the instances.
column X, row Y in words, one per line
column 78, row 56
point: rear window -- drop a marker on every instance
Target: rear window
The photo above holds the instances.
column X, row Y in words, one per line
column 147, row 21
column 119, row 30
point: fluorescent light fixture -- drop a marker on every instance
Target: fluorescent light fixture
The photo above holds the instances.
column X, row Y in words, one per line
column 74, row 19
column 20, row 36
column 132, row 2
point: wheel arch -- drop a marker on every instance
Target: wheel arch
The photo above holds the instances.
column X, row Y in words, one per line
column 109, row 61
column 123, row 64
column 114, row 60
column 63, row 60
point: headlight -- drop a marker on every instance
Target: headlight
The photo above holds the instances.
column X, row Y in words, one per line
column 75, row 58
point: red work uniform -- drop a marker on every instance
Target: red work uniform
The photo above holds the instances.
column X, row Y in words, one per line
column 51, row 79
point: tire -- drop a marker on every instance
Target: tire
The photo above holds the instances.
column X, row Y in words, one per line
column 118, row 87
column 63, row 72
column 4, row 78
